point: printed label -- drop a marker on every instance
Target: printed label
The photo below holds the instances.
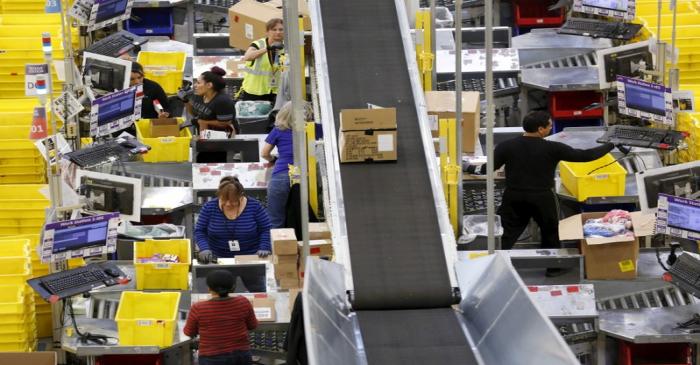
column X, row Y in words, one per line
column 144, row 323
column 626, row 265
column 248, row 28
column 385, row 143
column 263, row 313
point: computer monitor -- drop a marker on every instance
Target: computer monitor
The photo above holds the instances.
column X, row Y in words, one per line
column 88, row 236
column 681, row 180
column 472, row 37
column 250, row 277
column 116, row 111
column 621, row 9
column 112, row 193
column 108, row 12
column 628, row 60
column 227, row 150
column 678, row 217
column 106, row 74
column 644, row 100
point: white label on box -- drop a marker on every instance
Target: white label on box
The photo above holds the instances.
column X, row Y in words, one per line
column 263, row 313
column 144, row 323
column 248, row 31
column 385, row 142
column 433, row 119
column 162, row 266
column 167, row 139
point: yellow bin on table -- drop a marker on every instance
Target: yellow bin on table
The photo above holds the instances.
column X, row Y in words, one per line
column 165, row 68
column 147, row 319
column 583, row 182
column 164, row 149
column 162, row 275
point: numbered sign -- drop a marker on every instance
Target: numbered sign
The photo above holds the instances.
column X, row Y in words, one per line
column 52, row 6
column 39, row 128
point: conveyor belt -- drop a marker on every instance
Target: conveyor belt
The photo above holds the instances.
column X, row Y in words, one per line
column 395, row 245
column 402, row 290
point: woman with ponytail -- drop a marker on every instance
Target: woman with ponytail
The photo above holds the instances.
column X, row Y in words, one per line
column 222, row 323
column 210, row 107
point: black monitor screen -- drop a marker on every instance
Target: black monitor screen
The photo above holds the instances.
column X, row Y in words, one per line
column 82, row 236
column 105, row 76
column 108, row 196
column 227, row 150
column 108, row 9
column 250, row 278
column 683, row 183
column 475, row 37
column 628, row 63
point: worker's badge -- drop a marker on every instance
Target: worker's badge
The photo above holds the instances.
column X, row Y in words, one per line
column 273, row 81
column 234, row 245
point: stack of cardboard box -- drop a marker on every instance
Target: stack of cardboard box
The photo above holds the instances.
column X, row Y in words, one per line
column 285, row 257
column 320, row 245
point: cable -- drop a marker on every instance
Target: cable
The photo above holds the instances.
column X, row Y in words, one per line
column 86, row 337
column 606, row 165
column 658, row 258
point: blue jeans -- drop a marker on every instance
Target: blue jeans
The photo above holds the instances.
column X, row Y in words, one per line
column 231, row 358
column 277, row 194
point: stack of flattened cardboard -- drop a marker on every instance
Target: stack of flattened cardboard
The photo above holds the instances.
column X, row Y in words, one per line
column 285, row 257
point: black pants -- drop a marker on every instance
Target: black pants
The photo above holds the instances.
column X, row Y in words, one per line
column 518, row 207
column 269, row 97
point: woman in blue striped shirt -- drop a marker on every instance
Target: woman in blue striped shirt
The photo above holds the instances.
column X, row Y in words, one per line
column 232, row 224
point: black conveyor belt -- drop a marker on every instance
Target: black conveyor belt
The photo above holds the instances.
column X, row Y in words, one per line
column 401, row 284
column 395, row 245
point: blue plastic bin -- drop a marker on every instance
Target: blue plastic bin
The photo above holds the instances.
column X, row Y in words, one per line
column 151, row 22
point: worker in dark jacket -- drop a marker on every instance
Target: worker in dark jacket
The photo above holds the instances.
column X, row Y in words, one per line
column 530, row 163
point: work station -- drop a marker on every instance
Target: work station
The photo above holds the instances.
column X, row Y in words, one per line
column 364, row 182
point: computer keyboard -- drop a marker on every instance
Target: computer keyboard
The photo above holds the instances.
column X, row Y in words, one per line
column 600, row 29
column 116, row 44
column 107, row 152
column 641, row 137
column 501, row 86
column 685, row 273
column 77, row 281
column 474, row 196
column 269, row 341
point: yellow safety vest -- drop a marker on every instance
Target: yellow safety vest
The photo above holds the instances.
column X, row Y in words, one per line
column 261, row 77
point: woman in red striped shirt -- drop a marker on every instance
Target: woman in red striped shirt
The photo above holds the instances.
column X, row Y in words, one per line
column 222, row 323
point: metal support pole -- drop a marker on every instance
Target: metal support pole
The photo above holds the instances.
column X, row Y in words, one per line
column 433, row 48
column 458, row 110
column 294, row 48
column 660, row 51
column 673, row 76
column 490, row 201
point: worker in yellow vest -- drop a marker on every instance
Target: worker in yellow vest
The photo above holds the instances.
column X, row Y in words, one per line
column 263, row 64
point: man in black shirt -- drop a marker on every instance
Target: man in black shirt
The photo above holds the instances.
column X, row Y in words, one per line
column 530, row 162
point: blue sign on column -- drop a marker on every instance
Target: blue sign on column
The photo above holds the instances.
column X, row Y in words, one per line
column 53, row 6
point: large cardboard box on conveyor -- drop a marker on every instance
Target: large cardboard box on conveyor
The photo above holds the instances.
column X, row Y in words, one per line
column 368, row 135
column 442, row 104
column 608, row 258
column 247, row 20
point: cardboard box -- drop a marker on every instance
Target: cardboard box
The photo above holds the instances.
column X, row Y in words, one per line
column 29, row 358
column 284, row 241
column 285, row 271
column 319, row 247
column 247, row 20
column 319, row 231
column 443, row 105
column 288, row 283
column 264, row 308
column 166, row 127
column 285, row 259
column 611, row 257
column 368, row 135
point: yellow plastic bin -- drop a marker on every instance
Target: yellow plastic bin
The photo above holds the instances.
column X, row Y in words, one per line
column 162, row 275
column 165, row 68
column 15, row 270
column 582, row 184
column 164, row 149
column 14, row 247
column 147, row 319
column 12, row 302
